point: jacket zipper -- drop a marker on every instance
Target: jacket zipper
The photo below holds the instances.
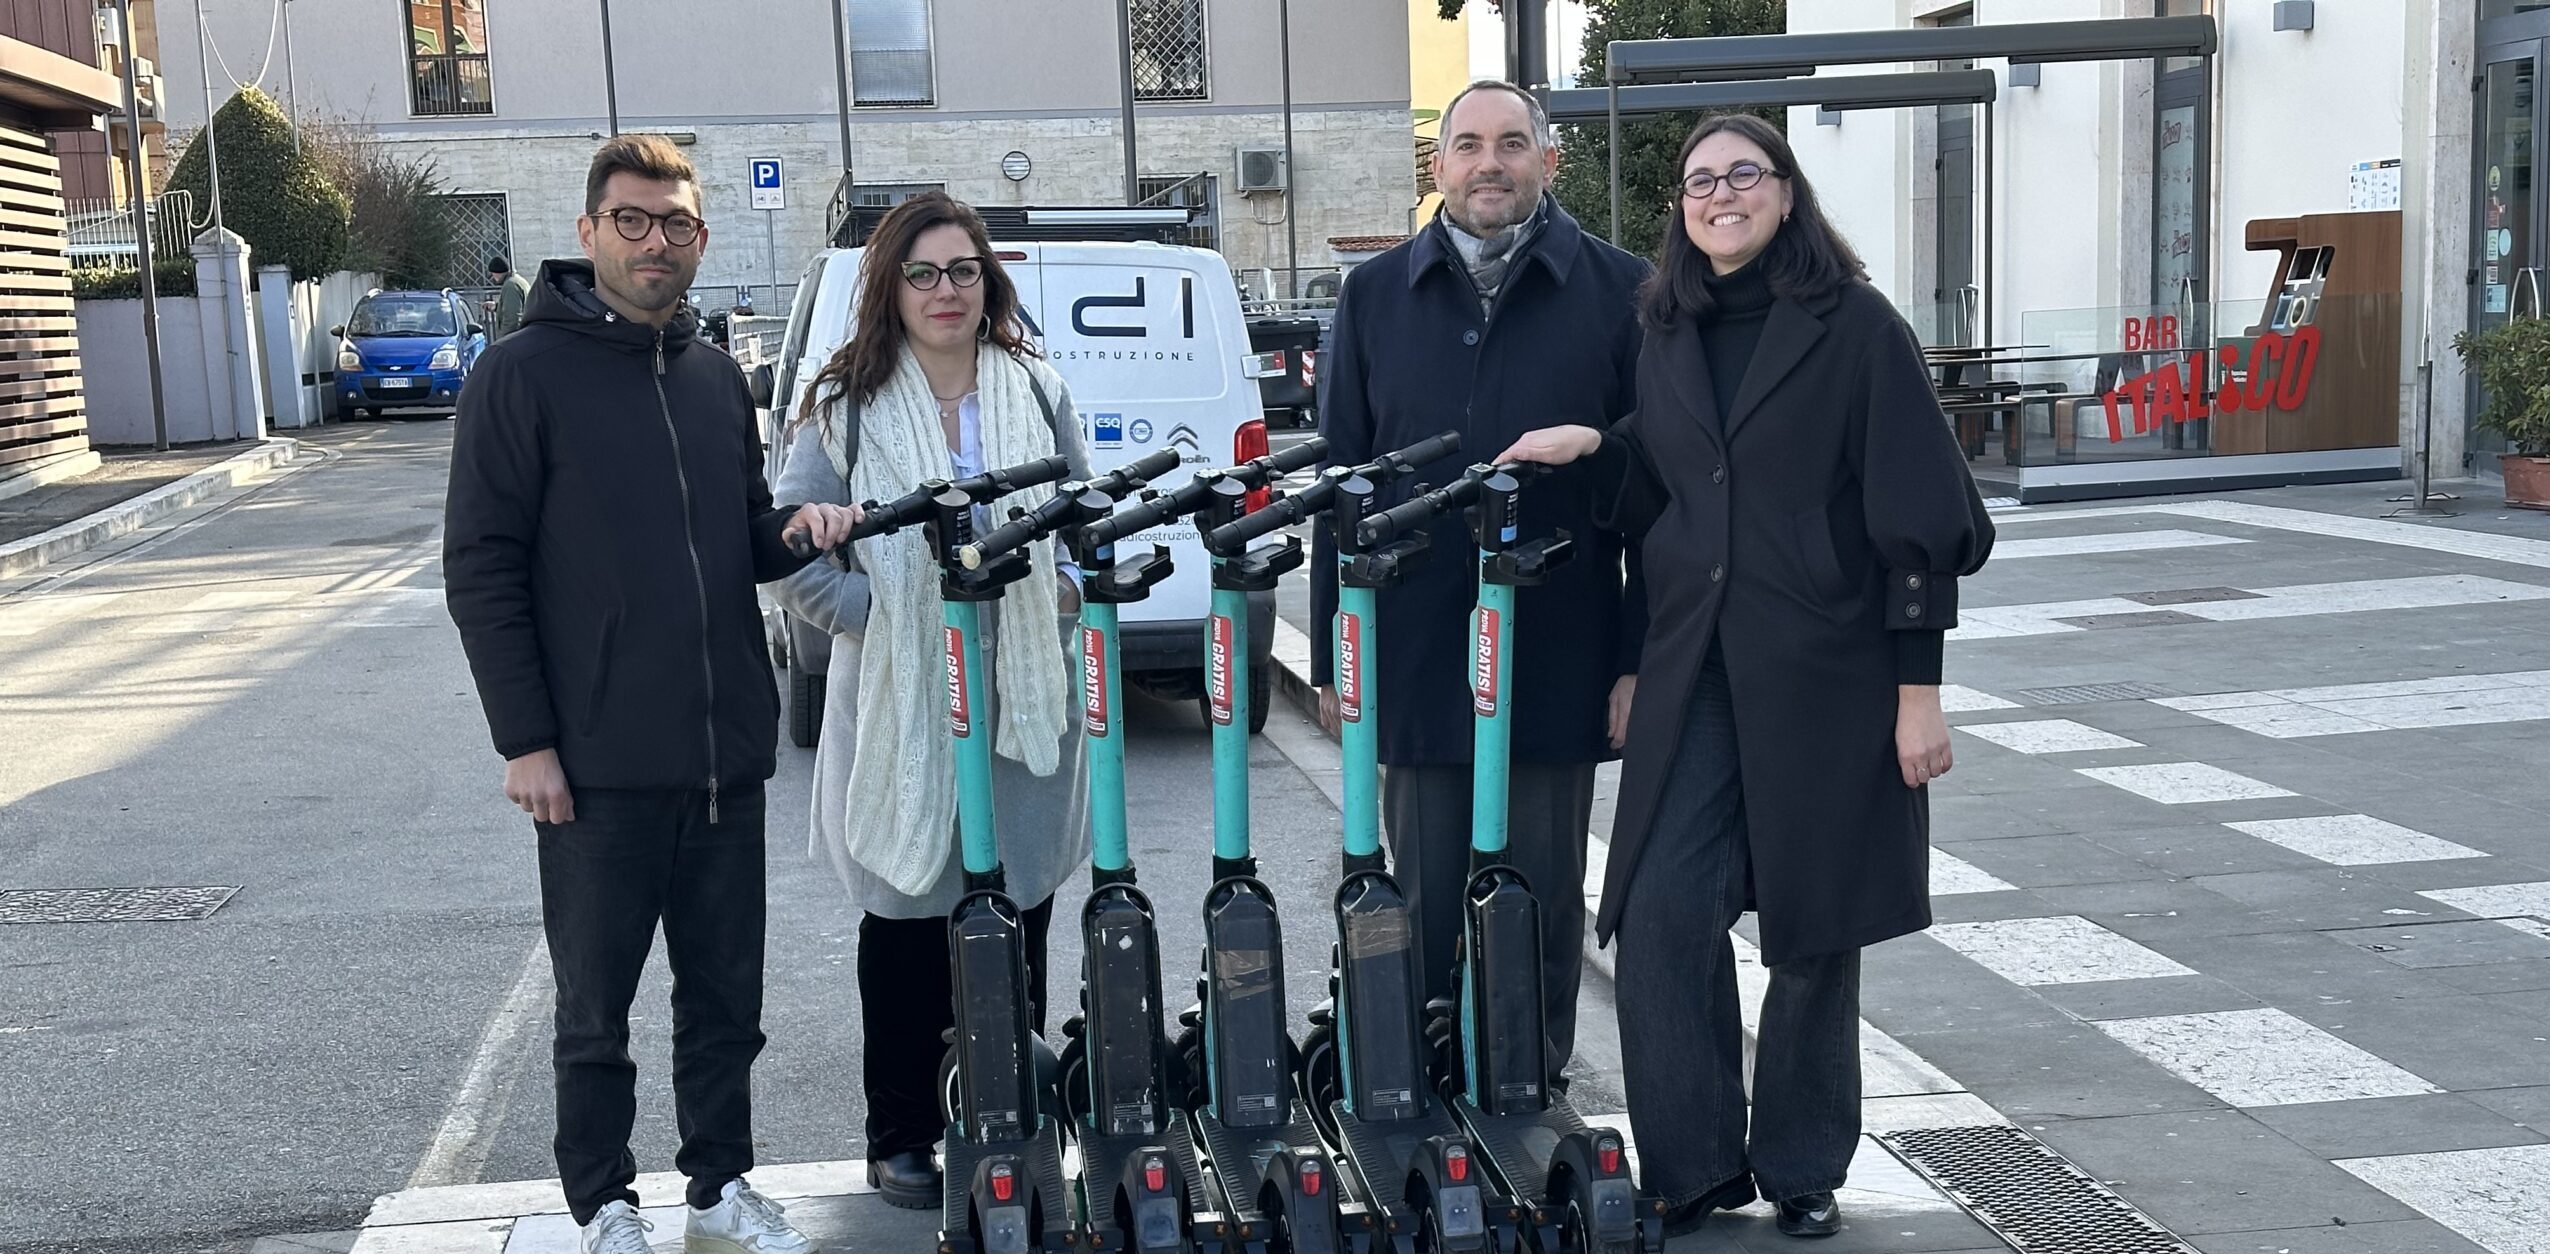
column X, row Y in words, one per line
column 699, row 580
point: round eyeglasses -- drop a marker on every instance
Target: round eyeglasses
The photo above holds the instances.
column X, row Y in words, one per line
column 923, row 275
column 634, row 225
column 1743, row 176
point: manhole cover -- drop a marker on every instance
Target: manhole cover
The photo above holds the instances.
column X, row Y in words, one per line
column 2030, row 1195
column 2138, row 618
column 2192, row 596
column 2082, row 694
column 110, row 905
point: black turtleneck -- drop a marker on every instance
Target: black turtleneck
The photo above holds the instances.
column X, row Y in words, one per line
column 1729, row 332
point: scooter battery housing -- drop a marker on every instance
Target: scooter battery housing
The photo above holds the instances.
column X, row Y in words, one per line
column 996, row 1077
column 1503, row 999
column 1127, row 1076
column 1243, row 999
column 1385, row 1053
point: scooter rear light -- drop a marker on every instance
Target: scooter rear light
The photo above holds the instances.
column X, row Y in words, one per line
column 1310, row 1178
column 1004, row 1184
column 1607, row 1155
column 1155, row 1175
column 1456, row 1164
column 1248, row 444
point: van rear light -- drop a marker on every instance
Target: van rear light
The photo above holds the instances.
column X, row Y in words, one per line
column 1249, row 444
column 1010, row 255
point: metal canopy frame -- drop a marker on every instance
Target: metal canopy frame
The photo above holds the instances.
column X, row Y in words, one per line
column 1738, row 71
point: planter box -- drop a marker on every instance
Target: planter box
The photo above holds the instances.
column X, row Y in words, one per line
column 2527, row 480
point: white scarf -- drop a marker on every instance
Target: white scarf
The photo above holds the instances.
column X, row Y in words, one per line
column 901, row 807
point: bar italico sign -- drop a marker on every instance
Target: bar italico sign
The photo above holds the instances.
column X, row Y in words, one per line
column 2269, row 372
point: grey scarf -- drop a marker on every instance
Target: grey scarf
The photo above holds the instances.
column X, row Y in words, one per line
column 1489, row 258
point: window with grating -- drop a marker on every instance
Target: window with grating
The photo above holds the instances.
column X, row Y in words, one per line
column 1169, row 56
column 447, row 58
column 888, row 195
column 1193, row 191
column 479, row 231
column 890, row 52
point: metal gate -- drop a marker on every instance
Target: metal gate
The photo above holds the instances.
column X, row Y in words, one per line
column 480, row 230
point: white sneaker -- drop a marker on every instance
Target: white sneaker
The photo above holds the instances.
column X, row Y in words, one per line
column 617, row 1229
column 742, row 1222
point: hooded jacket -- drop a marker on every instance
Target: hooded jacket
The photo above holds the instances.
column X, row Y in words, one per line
column 606, row 523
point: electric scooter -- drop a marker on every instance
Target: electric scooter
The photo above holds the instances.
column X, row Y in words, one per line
column 1140, row 1189
column 1365, row 1058
column 1573, row 1179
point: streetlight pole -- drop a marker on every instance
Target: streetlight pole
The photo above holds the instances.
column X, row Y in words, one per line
column 841, row 80
column 212, row 149
column 610, row 83
column 240, row 420
column 137, row 182
column 1132, row 172
column 1292, row 179
column 291, row 83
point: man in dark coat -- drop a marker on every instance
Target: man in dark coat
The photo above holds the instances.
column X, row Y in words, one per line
column 1501, row 315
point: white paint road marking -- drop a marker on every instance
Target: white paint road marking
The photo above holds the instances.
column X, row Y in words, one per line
column 2263, row 1058
column 2355, row 840
column 2048, row 735
column 1952, row 876
column 2495, row 548
column 2495, row 1197
column 2523, row 907
column 2065, row 949
column 2108, row 542
column 2393, row 705
column 1959, row 699
column 1993, row 622
column 2183, row 783
column 459, row 1149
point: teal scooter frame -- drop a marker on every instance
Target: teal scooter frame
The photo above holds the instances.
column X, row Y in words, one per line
column 1574, row 1179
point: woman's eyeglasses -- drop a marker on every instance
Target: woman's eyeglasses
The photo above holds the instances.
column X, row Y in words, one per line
column 634, row 225
column 963, row 272
column 1743, row 176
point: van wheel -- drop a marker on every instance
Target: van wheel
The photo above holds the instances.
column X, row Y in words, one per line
column 805, row 707
column 1261, row 695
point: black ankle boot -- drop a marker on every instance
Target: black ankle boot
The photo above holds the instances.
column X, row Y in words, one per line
column 909, row 1180
column 1810, row 1215
column 1732, row 1195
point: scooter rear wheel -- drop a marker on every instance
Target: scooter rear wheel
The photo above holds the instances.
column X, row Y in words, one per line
column 1319, row 1079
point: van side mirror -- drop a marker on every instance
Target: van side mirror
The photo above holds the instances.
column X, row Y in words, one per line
column 337, row 331
column 760, row 381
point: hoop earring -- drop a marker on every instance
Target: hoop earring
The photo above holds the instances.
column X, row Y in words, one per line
column 983, row 332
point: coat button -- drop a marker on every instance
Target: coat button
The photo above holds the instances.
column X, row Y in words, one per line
column 1719, row 475
column 1470, row 337
column 1717, row 574
column 1912, row 611
column 1913, row 582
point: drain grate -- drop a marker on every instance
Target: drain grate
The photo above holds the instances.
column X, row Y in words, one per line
column 2082, row 694
column 2140, row 618
column 2035, row 1199
column 111, row 905
column 2193, row 596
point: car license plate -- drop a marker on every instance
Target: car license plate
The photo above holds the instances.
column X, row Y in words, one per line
column 400, row 383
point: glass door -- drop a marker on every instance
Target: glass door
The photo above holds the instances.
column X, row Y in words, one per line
column 2507, row 236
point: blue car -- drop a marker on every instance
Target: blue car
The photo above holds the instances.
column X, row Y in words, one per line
column 405, row 350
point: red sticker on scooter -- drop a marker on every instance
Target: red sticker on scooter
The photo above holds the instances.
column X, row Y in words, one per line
column 1217, row 671
column 1350, row 668
column 1093, row 679
column 957, row 724
column 1486, row 667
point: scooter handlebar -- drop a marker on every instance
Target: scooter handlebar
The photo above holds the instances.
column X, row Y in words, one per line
column 914, row 506
column 1416, row 510
column 1060, row 510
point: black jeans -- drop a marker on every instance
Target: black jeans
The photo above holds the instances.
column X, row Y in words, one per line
column 907, row 1003
column 632, row 859
column 1549, row 808
column 1681, row 1033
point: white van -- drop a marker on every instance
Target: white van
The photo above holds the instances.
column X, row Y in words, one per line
column 1152, row 341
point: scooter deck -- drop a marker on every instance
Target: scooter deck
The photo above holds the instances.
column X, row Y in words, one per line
column 1380, row 1154
column 1102, row 1160
column 1519, row 1147
column 1239, row 1157
column 1043, row 1152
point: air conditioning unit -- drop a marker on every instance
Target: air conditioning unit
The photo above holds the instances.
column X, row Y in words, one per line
column 149, row 86
column 1262, row 169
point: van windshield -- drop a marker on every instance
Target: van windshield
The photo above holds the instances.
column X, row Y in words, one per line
column 401, row 317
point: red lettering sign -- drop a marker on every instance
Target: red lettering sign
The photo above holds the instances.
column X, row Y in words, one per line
column 1350, row 667
column 2275, row 376
column 958, row 725
column 1093, row 680
column 1217, row 670
column 1486, row 666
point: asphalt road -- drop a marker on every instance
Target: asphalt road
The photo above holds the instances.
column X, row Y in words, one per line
column 265, row 693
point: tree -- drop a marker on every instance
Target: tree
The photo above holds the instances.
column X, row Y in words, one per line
column 278, row 199
column 401, row 228
column 1648, row 147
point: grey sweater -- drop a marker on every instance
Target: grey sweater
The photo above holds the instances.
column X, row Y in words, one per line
column 1043, row 823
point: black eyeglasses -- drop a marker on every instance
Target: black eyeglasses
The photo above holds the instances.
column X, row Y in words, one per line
column 634, row 225
column 1743, row 176
column 923, row 275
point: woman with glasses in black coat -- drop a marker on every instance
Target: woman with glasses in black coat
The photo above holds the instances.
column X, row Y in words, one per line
column 1804, row 514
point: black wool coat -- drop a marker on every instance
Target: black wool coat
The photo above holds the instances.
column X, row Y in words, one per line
column 1815, row 533
column 1410, row 357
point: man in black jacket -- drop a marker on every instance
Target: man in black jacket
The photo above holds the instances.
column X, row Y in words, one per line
column 607, row 521
column 1500, row 313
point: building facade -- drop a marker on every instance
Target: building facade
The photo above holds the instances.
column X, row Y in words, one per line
column 2319, row 185
column 50, row 84
column 997, row 101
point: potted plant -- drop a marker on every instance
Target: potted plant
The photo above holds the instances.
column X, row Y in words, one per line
column 2513, row 362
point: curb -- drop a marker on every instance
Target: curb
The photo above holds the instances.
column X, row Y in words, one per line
column 126, row 517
